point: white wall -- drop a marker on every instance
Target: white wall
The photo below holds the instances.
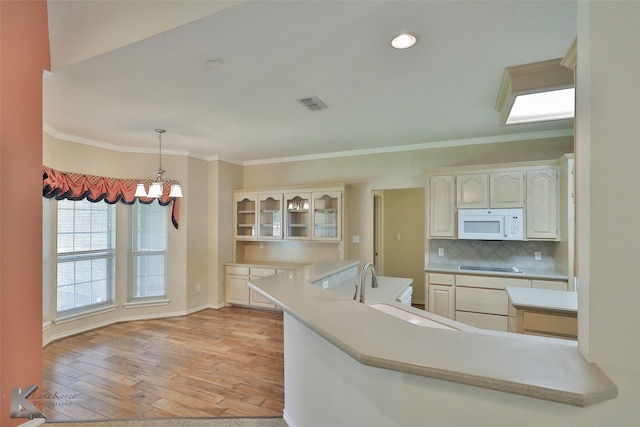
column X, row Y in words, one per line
column 607, row 155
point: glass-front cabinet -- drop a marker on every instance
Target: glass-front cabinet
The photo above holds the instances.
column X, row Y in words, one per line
column 270, row 225
column 326, row 215
column 245, row 216
column 298, row 216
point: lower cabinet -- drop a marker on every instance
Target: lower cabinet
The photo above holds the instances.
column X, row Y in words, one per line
column 237, row 291
column 482, row 302
column 441, row 294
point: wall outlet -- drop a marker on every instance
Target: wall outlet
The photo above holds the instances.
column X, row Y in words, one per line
column 440, row 251
column 198, row 288
column 261, row 245
column 537, row 255
column 355, row 239
column 398, row 237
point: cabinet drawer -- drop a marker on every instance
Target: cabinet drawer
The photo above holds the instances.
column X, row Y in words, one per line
column 491, row 282
column 262, row 272
column 550, row 324
column 482, row 300
column 239, row 271
column 442, row 279
column 550, row 284
column 483, row 321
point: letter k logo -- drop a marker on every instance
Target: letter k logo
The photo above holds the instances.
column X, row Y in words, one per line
column 21, row 407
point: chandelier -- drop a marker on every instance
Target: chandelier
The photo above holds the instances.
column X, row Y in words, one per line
column 156, row 184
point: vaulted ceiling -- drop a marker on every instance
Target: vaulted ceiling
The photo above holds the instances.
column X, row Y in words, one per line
column 122, row 69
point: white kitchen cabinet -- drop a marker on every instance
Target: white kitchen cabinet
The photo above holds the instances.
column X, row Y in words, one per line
column 473, row 191
column 236, row 285
column 441, row 294
column 298, row 216
column 441, row 300
column 255, row 299
column 541, row 211
column 327, row 208
column 270, row 223
column 442, row 206
column 237, row 291
column 482, row 302
column 507, row 189
column 245, row 216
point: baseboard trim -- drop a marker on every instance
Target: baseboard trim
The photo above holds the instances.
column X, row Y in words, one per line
column 287, row 419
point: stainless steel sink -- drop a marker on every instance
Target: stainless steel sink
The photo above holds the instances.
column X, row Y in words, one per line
column 494, row 269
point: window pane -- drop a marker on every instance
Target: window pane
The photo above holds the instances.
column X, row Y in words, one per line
column 85, row 253
column 149, row 245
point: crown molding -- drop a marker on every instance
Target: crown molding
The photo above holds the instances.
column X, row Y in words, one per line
column 322, row 156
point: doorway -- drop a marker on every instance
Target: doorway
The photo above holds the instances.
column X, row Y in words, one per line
column 399, row 236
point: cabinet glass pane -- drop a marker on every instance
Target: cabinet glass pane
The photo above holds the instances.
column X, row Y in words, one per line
column 298, row 223
column 246, row 217
column 325, row 216
column 270, row 217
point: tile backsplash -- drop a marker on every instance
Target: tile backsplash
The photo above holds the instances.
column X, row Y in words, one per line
column 483, row 253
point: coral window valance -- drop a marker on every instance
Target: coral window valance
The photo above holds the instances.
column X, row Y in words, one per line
column 75, row 186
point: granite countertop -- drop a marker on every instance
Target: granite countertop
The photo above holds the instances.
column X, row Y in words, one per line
column 526, row 273
column 545, row 299
column 539, row 367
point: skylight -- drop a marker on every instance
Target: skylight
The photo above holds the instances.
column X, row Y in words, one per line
column 542, row 106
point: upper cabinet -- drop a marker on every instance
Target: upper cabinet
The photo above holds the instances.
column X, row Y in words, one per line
column 298, row 216
column 442, row 206
column 533, row 186
column 326, row 215
column 507, row 189
column 245, row 216
column 542, row 204
column 473, row 191
column 272, row 215
column 270, row 225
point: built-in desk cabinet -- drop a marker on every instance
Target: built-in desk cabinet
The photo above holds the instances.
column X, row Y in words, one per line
column 237, row 291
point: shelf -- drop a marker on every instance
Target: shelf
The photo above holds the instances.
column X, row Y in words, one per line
column 271, row 211
column 246, row 225
column 247, row 212
column 326, row 210
column 298, row 225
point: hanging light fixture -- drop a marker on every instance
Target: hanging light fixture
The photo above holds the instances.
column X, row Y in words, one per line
column 156, row 184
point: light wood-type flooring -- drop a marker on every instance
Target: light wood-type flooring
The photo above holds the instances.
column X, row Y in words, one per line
column 213, row 363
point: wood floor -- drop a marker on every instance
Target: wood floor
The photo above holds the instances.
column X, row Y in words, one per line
column 213, row 363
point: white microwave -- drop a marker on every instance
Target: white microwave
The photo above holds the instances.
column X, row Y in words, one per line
column 490, row 224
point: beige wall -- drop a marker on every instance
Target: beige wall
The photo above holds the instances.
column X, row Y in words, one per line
column 399, row 170
column 404, row 231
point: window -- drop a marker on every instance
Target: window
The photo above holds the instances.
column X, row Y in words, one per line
column 149, row 250
column 85, row 252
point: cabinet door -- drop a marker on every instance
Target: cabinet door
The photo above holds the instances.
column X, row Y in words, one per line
column 255, row 299
column 442, row 206
column 542, row 204
column 298, row 216
column 244, row 218
column 270, row 223
column 507, row 189
column 487, row 301
column 327, row 212
column 441, row 300
column 237, row 289
column 473, row 191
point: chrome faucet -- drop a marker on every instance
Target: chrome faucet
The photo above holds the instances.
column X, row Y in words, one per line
column 363, row 273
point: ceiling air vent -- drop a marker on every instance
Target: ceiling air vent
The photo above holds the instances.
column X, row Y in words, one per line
column 312, row 103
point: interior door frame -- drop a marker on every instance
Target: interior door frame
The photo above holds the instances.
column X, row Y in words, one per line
column 378, row 231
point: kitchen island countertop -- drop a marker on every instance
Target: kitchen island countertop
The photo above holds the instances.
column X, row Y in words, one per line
column 532, row 366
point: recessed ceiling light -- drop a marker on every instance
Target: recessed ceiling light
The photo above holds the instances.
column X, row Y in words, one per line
column 404, row 41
